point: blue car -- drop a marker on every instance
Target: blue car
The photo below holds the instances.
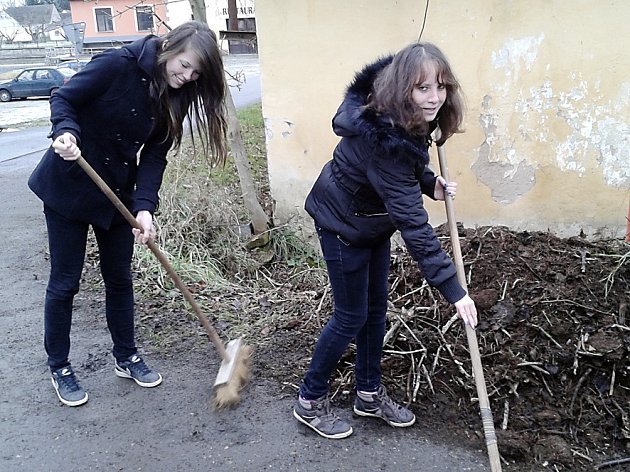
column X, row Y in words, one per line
column 35, row 82
column 74, row 64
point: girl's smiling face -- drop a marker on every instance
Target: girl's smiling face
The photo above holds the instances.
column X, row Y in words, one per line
column 430, row 94
column 182, row 68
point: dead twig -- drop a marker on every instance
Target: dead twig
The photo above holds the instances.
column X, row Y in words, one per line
column 506, row 414
column 623, row 306
column 531, row 270
column 571, row 302
column 547, row 335
column 577, row 388
column 319, row 306
column 583, row 456
column 603, row 465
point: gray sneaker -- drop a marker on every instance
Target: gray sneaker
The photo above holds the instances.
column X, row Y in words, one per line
column 321, row 419
column 385, row 408
column 135, row 369
column 67, row 387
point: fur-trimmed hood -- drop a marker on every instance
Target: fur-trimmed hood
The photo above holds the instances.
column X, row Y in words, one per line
column 353, row 118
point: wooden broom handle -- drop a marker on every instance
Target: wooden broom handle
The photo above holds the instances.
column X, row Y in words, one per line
column 212, row 333
column 473, row 346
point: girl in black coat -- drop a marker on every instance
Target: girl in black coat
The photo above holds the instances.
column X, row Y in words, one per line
column 373, row 186
column 122, row 113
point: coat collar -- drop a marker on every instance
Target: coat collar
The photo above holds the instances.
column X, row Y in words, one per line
column 354, row 118
column 145, row 52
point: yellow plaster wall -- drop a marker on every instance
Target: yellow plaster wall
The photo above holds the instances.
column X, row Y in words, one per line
column 547, row 86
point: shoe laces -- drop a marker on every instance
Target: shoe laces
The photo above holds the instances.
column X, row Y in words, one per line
column 69, row 380
column 386, row 400
column 325, row 408
column 137, row 364
column 322, row 405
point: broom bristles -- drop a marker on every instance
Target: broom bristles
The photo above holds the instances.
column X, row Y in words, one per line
column 228, row 393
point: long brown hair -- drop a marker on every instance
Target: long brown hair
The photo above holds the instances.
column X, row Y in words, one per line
column 394, row 85
column 202, row 100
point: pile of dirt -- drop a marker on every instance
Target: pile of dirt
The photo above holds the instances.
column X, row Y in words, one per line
column 553, row 338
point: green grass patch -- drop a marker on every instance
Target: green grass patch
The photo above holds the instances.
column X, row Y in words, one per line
column 203, row 228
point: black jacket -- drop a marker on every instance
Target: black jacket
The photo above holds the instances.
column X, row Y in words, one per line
column 375, row 182
column 107, row 106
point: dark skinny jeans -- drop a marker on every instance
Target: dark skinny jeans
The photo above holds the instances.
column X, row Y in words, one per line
column 359, row 281
column 67, row 241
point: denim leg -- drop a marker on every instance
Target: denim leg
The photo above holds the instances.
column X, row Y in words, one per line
column 66, row 242
column 115, row 247
column 348, row 271
column 367, row 369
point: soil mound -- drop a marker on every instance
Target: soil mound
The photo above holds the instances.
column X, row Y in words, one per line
column 553, row 337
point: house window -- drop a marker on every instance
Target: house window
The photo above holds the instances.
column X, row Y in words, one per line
column 144, row 18
column 104, row 19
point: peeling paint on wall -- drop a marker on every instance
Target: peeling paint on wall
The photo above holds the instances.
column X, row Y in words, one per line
column 597, row 128
column 570, row 124
column 517, row 51
column 498, row 165
column 288, row 128
column 268, row 130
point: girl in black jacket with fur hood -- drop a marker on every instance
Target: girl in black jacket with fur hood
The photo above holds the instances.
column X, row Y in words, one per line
column 373, row 186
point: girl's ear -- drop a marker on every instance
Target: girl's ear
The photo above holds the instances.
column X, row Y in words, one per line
column 164, row 44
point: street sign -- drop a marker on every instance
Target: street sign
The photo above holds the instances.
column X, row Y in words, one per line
column 75, row 32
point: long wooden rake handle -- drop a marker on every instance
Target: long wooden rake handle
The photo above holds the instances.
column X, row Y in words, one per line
column 473, row 347
column 210, row 330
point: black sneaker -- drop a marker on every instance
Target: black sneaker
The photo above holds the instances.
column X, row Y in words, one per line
column 67, row 387
column 385, row 408
column 321, row 419
column 134, row 368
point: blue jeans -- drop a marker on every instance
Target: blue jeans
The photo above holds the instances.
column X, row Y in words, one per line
column 358, row 277
column 67, row 242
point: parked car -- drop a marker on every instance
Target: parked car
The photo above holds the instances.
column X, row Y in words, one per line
column 35, row 82
column 75, row 64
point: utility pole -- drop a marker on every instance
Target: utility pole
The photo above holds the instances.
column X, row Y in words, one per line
column 232, row 16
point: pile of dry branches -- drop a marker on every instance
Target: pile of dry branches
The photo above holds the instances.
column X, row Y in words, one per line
column 553, row 339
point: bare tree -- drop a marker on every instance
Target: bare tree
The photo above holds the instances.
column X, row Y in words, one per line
column 198, row 8
column 8, row 36
column 259, row 219
column 232, row 15
column 33, row 27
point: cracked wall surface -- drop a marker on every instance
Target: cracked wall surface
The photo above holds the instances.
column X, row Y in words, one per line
column 575, row 119
column 547, row 87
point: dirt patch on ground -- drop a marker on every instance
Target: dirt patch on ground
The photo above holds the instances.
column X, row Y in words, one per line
column 553, row 338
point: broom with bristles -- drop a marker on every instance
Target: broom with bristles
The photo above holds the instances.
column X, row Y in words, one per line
column 234, row 370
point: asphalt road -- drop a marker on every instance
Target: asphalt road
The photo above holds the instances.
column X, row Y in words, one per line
column 17, row 117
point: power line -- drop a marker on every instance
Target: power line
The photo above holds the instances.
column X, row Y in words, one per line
column 424, row 20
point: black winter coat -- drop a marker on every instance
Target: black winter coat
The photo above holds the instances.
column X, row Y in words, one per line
column 108, row 108
column 374, row 185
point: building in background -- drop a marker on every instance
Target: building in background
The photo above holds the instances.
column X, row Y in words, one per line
column 37, row 23
column 218, row 19
column 11, row 31
column 118, row 22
